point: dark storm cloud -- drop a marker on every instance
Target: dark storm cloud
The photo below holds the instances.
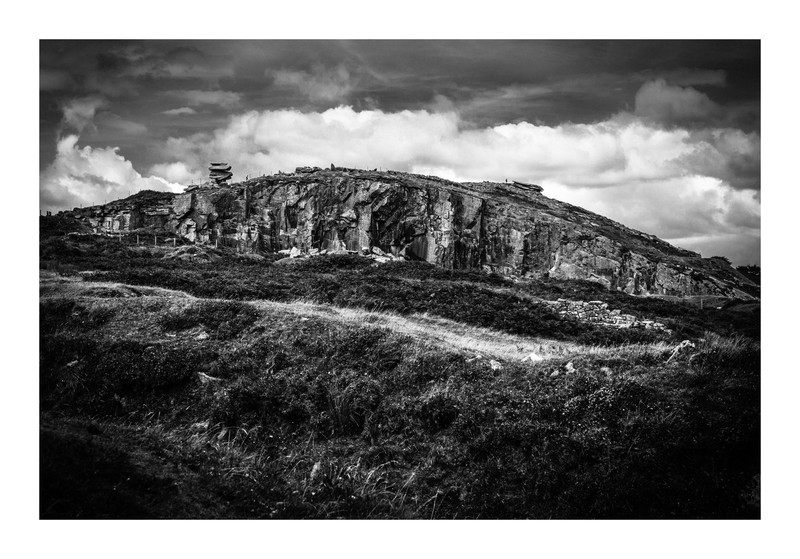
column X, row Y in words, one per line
column 588, row 79
column 490, row 82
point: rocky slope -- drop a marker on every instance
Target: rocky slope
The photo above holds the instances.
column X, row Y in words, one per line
column 509, row 228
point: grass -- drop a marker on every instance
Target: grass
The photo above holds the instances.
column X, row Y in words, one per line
column 334, row 388
column 404, row 288
column 320, row 412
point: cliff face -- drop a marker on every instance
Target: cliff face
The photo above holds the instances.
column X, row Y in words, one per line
column 509, row 228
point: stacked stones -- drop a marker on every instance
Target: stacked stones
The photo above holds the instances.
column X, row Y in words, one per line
column 598, row 313
column 220, row 173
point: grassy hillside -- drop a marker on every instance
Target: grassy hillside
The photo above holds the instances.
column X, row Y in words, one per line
column 331, row 388
column 401, row 287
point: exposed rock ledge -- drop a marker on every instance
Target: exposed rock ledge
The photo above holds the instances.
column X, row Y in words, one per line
column 508, row 228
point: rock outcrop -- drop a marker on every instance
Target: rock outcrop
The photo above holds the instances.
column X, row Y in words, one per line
column 597, row 312
column 147, row 209
column 508, row 228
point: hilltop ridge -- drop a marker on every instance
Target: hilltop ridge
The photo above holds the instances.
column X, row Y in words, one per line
column 508, row 228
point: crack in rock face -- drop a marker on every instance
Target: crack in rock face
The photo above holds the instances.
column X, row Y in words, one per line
column 507, row 228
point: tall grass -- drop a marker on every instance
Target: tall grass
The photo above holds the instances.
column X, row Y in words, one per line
column 356, row 414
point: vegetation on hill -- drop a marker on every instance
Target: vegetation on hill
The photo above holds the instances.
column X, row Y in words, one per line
column 753, row 273
column 472, row 297
column 307, row 418
column 238, row 401
column 58, row 226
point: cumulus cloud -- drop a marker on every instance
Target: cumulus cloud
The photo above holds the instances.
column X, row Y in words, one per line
column 180, row 111
column 176, row 172
column 605, row 154
column 321, row 84
column 87, row 176
column 663, row 102
column 727, row 153
column 79, row 113
column 671, row 182
column 697, row 189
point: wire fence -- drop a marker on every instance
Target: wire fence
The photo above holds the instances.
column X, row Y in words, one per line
column 144, row 238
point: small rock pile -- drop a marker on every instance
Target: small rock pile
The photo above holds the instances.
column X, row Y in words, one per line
column 374, row 253
column 597, row 312
column 379, row 255
column 194, row 253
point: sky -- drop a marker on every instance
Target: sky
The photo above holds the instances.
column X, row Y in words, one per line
column 662, row 136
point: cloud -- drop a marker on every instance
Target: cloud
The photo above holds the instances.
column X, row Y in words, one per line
column 695, row 76
column 666, row 103
column 142, row 60
column 321, row 84
column 87, row 176
column 741, row 249
column 699, row 213
column 176, row 172
column 673, row 183
column 196, row 97
column 726, row 153
column 79, row 113
column 83, row 113
column 119, row 126
column 55, row 80
column 503, row 104
column 180, row 111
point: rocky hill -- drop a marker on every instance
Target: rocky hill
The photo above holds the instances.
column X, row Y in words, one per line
column 508, row 228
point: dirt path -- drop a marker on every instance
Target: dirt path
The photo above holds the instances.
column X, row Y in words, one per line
column 448, row 334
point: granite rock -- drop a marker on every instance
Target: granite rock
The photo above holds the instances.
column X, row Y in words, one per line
column 506, row 228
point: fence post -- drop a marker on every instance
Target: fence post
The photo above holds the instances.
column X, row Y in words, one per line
column 137, row 238
column 155, row 241
column 173, row 242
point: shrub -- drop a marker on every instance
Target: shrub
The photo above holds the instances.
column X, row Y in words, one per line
column 347, row 399
column 726, row 355
column 438, row 409
column 226, row 319
column 57, row 314
column 332, row 262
